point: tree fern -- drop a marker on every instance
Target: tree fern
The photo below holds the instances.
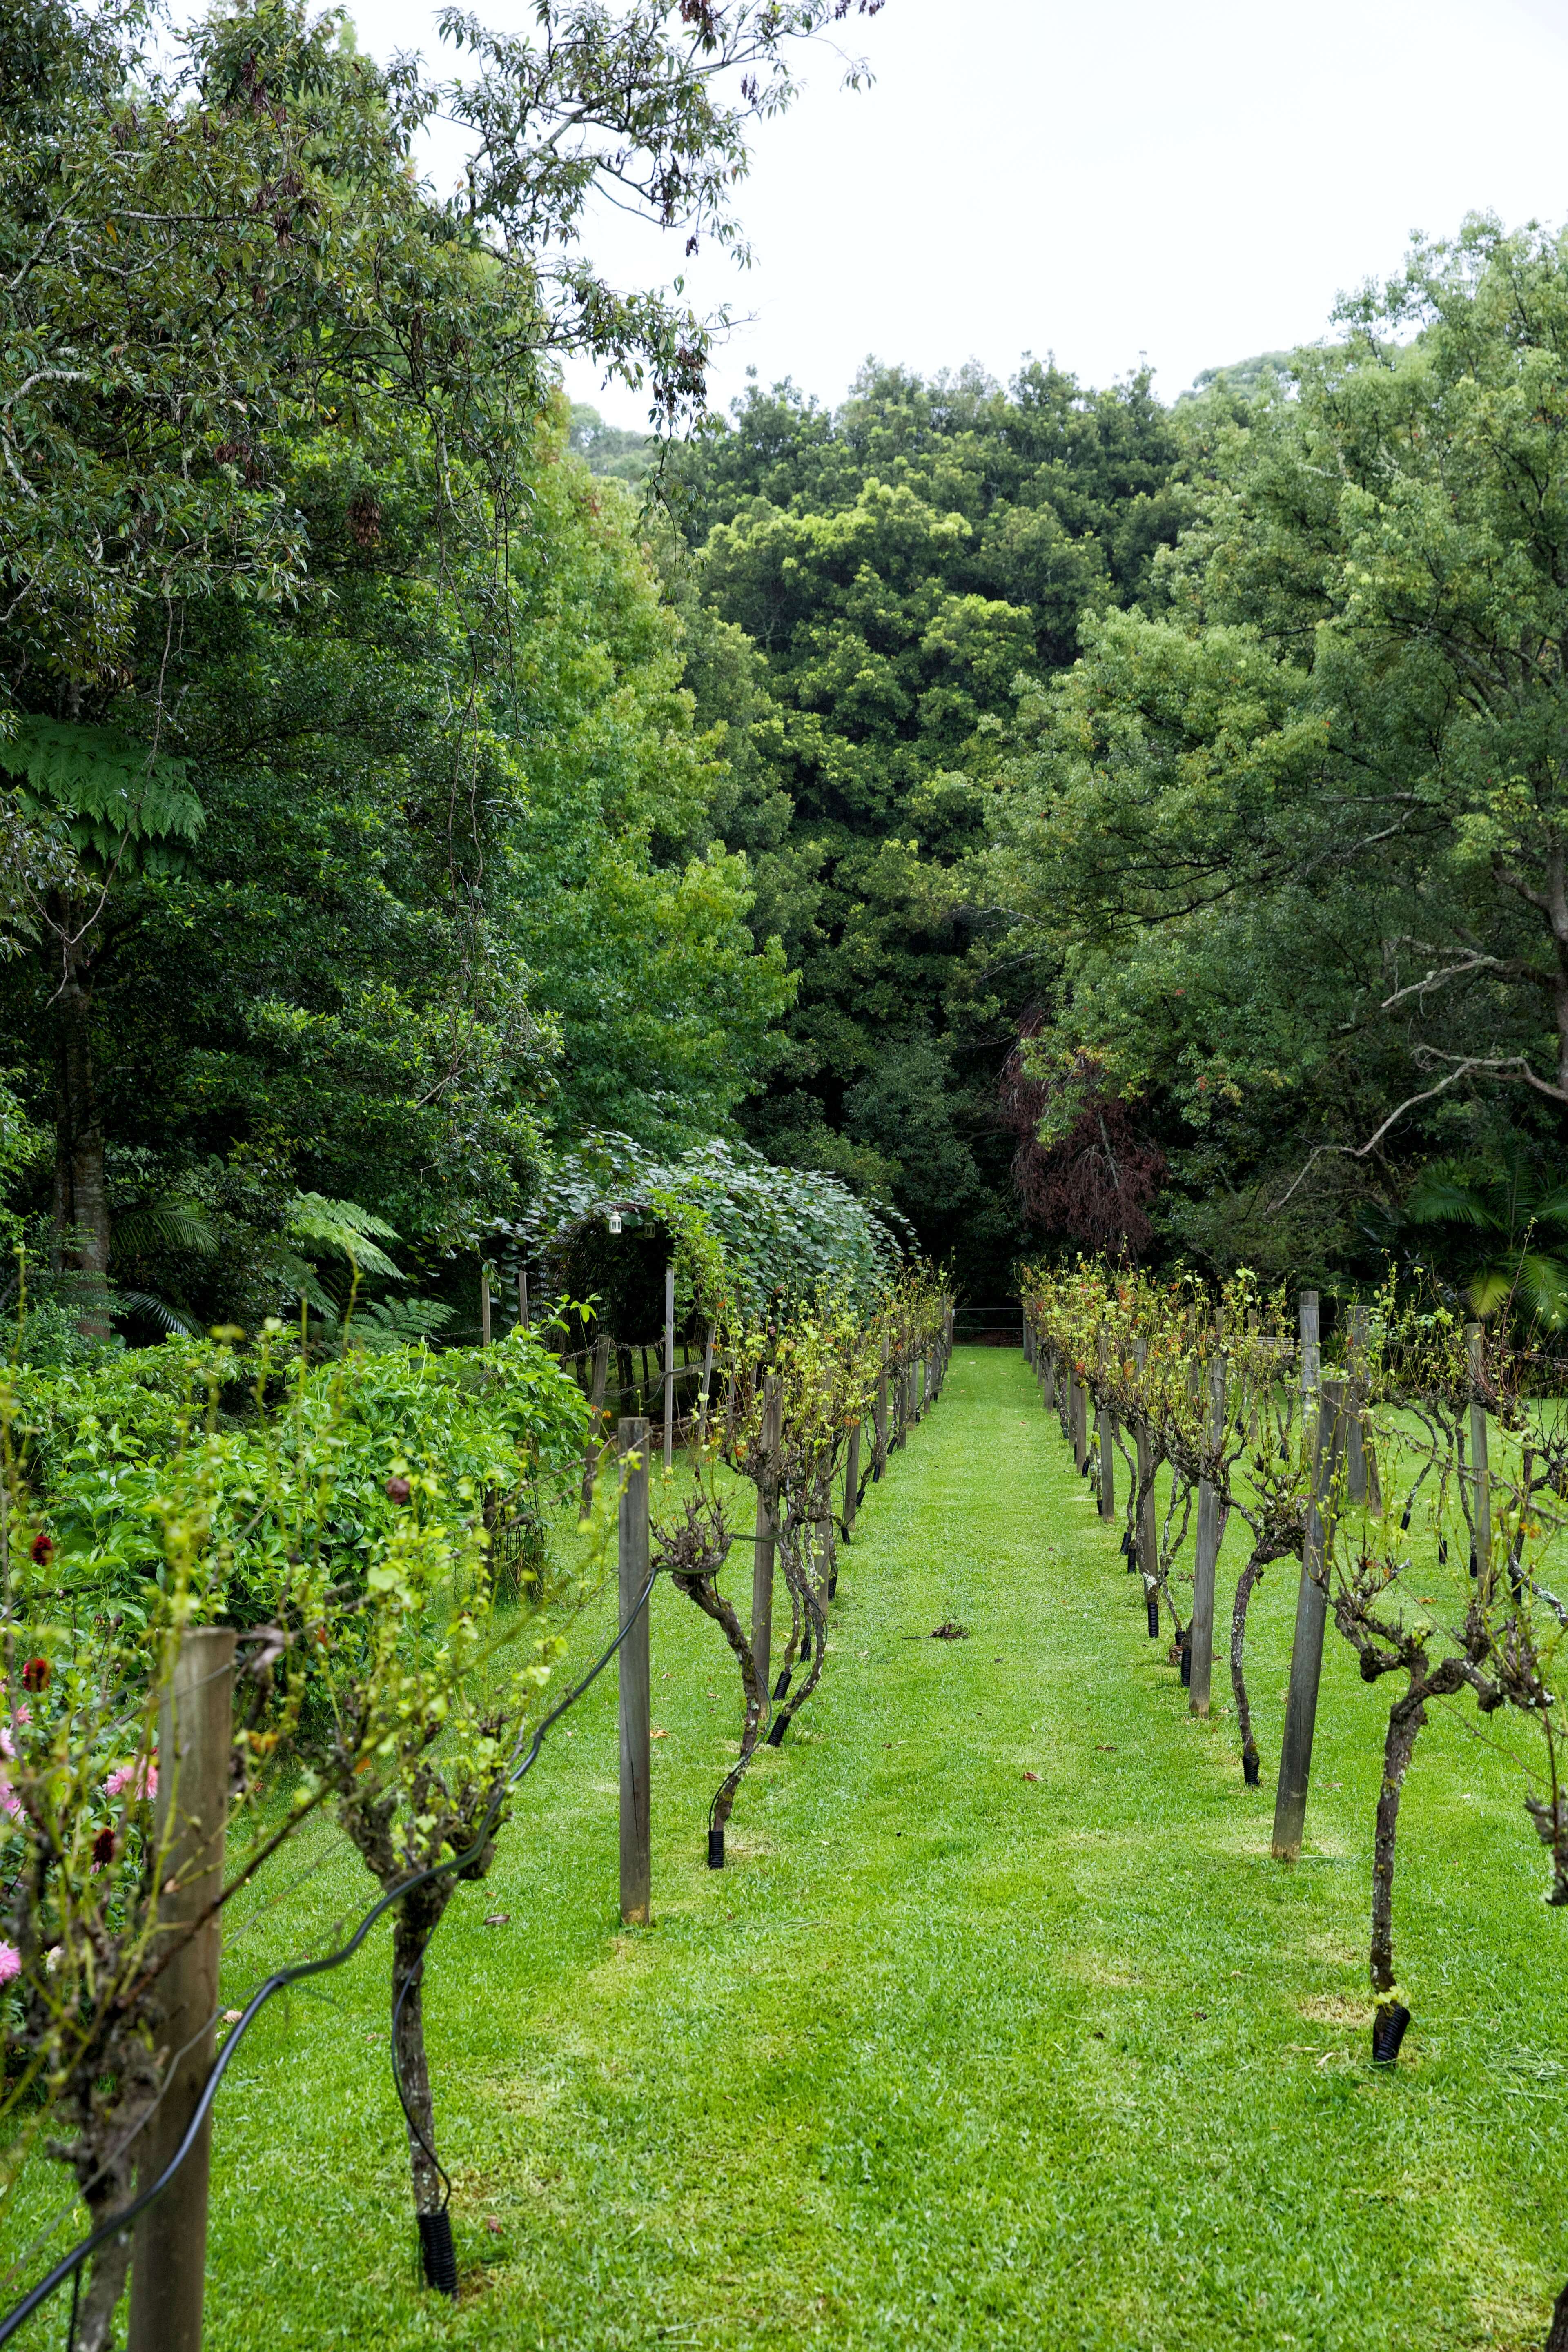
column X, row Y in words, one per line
column 108, row 796
column 344, row 1227
column 379, row 1326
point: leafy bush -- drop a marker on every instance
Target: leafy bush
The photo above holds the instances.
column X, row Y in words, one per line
column 298, row 1455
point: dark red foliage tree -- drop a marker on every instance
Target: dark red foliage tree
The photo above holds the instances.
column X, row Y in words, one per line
column 1096, row 1183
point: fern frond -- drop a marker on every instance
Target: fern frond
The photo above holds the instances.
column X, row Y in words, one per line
column 300, row 1280
column 106, row 790
column 385, row 1324
column 173, row 1225
column 346, row 1228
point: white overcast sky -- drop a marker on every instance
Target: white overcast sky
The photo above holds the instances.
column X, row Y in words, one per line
column 1190, row 183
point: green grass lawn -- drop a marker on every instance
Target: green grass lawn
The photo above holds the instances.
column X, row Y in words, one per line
column 947, row 2056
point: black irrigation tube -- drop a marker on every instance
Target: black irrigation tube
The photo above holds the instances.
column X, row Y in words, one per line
column 69, row 2264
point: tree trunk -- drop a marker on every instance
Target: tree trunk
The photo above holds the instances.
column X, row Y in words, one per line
column 416, row 1920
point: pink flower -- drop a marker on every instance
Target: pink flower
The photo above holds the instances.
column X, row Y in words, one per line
column 140, row 1779
column 10, row 1963
column 9, row 1801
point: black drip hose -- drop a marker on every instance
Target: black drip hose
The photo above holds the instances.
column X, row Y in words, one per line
column 69, row 2264
column 417, row 1976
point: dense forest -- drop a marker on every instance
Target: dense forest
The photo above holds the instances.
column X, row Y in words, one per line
column 1158, row 805
column 1063, row 817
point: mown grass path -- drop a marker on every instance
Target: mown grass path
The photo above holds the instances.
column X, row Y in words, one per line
column 950, row 2056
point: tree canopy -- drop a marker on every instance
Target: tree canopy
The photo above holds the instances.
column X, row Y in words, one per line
column 869, row 590
column 1291, row 837
column 1039, row 810
column 360, row 842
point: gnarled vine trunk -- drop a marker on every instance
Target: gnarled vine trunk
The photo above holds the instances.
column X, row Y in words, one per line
column 794, row 1555
column 1405, row 1717
column 1246, row 1584
column 712, row 1603
column 1272, row 1545
column 415, row 1920
column 105, row 2114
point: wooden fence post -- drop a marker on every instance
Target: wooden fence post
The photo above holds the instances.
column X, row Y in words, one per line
column 706, row 1383
column 195, row 1732
column 762, row 1558
column 1205, row 1557
column 1355, row 1425
column 1077, row 1413
column 851, row 1481
column 1145, row 1540
column 1311, row 1615
column 522, row 1296
column 484, row 1304
column 636, row 1680
column 1307, row 1308
column 669, row 1368
column 1107, row 1446
column 599, row 1377
column 1481, row 1491
column 879, row 1465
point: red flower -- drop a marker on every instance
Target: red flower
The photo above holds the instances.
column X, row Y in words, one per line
column 398, row 1489
column 103, row 1849
column 43, row 1546
column 36, row 1674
